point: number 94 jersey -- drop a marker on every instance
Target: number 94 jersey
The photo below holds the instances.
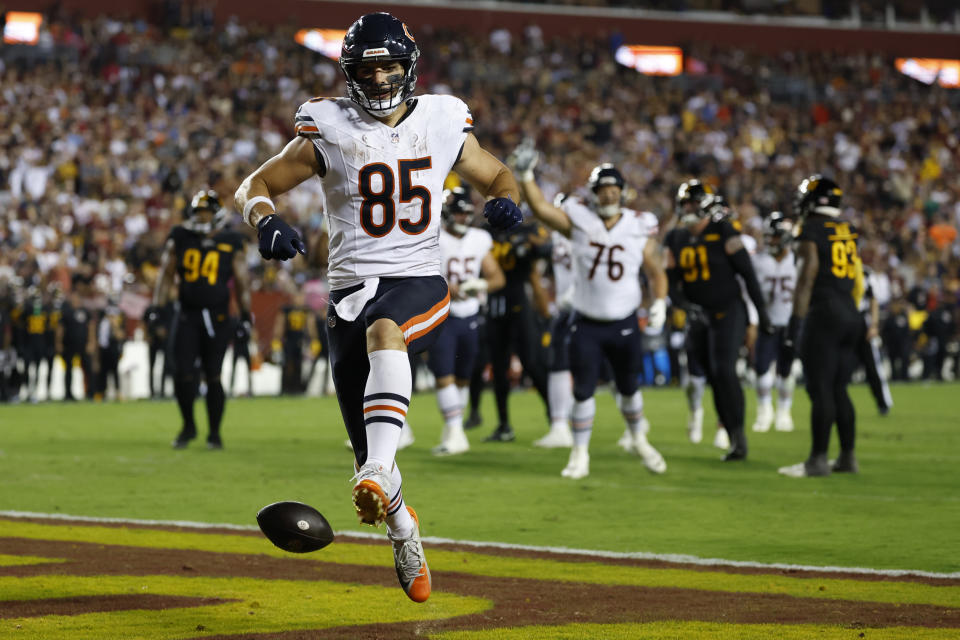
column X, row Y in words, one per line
column 606, row 262
column 383, row 186
column 205, row 266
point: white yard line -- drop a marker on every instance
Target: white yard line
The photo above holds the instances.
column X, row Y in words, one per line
column 673, row 558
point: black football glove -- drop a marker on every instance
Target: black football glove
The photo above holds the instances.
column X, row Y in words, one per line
column 278, row 240
column 502, row 214
column 792, row 340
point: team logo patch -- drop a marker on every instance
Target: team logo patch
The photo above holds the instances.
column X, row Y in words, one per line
column 395, row 137
column 331, row 321
column 407, row 31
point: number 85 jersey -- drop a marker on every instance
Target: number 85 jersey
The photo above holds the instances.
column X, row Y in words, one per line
column 383, row 186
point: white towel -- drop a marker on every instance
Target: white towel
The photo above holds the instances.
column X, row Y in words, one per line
column 350, row 307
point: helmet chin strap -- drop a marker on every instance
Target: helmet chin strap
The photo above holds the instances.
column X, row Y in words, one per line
column 608, row 210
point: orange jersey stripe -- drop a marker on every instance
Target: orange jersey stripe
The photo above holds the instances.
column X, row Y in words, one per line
column 385, row 407
column 307, row 129
column 426, row 316
column 427, row 330
column 469, row 120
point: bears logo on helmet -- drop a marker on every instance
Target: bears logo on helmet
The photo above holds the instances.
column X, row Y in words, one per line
column 379, row 37
column 777, row 232
column 456, row 201
column 607, row 175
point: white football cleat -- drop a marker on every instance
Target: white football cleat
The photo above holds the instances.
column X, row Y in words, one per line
column 695, row 426
column 452, row 444
column 579, row 464
column 652, row 459
column 560, row 436
column 722, row 439
column 626, row 440
column 764, row 418
column 784, row 421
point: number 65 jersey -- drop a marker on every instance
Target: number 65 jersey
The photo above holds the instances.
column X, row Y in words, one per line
column 606, row 262
column 383, row 186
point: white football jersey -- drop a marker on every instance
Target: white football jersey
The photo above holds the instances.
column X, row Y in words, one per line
column 383, row 186
column 562, row 261
column 778, row 279
column 462, row 259
column 651, row 222
column 606, row 262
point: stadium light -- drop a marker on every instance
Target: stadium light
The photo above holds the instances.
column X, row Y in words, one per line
column 325, row 41
column 22, row 27
column 944, row 72
column 650, row 60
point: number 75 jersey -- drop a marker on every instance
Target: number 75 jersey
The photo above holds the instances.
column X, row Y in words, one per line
column 383, row 186
column 606, row 262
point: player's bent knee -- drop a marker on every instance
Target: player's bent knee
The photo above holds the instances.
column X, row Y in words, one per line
column 385, row 334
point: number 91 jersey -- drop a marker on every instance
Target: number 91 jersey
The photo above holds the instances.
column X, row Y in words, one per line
column 606, row 262
column 383, row 186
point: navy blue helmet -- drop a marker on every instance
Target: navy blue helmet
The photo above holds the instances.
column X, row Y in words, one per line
column 777, row 232
column 457, row 200
column 604, row 174
column 379, row 37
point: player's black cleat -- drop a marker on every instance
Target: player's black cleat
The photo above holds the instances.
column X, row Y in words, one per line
column 184, row 438
column 503, row 433
column 735, row 454
column 846, row 462
column 214, row 443
column 473, row 421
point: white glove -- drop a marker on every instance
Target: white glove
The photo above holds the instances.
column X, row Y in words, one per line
column 524, row 158
column 657, row 314
column 473, row 286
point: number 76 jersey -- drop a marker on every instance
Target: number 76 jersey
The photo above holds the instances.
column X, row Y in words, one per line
column 383, row 186
column 606, row 262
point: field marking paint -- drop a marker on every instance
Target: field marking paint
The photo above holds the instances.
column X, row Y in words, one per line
column 671, row 558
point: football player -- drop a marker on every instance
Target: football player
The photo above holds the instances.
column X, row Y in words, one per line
column 825, row 325
column 687, row 204
column 382, row 156
column 470, row 269
column 610, row 244
column 777, row 273
column 705, row 253
column 203, row 257
column 295, row 325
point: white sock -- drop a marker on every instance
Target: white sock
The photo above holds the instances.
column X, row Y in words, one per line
column 448, row 400
column 399, row 522
column 695, row 392
column 785, row 388
column 464, row 397
column 632, row 409
column 560, row 395
column 385, row 401
column 583, row 413
column 765, row 387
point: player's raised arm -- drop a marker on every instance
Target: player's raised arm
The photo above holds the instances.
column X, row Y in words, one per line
column 296, row 163
column 524, row 158
column 494, row 180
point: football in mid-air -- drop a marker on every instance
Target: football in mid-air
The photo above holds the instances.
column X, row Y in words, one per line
column 295, row 527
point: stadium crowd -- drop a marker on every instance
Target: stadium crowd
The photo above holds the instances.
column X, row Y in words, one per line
column 108, row 127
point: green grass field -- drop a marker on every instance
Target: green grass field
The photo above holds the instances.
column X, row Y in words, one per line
column 901, row 512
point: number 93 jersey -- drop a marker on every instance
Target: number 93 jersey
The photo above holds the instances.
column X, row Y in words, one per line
column 606, row 262
column 838, row 258
column 383, row 186
column 205, row 266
